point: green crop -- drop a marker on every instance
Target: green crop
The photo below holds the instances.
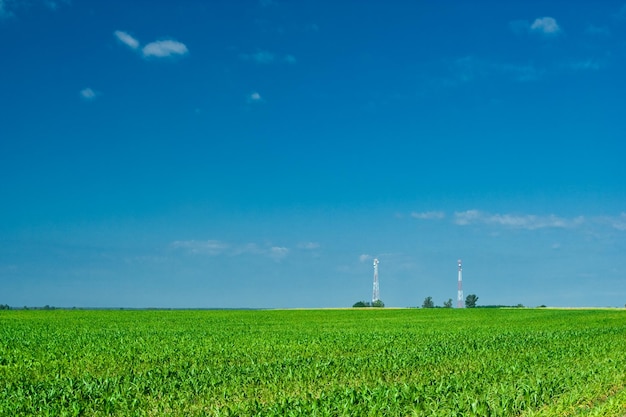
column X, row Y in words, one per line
column 439, row 362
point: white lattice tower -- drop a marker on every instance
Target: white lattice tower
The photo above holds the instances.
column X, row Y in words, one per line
column 376, row 290
column 459, row 299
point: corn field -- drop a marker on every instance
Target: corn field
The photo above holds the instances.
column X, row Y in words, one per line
column 361, row 362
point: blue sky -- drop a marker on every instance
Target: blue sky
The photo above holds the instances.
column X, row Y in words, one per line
column 262, row 153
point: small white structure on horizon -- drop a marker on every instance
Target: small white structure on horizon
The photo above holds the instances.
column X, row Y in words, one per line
column 459, row 299
column 376, row 290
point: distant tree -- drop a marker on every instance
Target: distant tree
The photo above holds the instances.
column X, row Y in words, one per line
column 428, row 302
column 470, row 301
column 448, row 304
column 361, row 304
column 378, row 303
column 4, row 307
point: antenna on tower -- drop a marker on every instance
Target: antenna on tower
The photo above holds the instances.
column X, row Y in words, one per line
column 459, row 300
column 376, row 291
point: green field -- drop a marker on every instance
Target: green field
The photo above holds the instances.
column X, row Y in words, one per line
column 381, row 362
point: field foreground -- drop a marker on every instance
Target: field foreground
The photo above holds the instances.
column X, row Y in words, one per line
column 427, row 362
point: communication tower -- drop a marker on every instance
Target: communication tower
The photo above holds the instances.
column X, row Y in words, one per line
column 376, row 291
column 459, row 300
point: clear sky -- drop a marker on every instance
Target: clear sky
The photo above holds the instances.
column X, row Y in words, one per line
column 262, row 153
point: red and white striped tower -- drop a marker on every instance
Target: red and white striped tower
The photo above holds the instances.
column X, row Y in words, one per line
column 459, row 299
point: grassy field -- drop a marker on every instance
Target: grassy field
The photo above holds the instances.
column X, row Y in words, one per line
column 426, row 362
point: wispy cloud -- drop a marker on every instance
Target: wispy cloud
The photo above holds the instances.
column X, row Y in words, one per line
column 164, row 49
column 207, row 247
column 515, row 221
column 616, row 222
column 429, row 215
column 260, row 57
column 290, row 59
column 586, row 65
column 471, row 68
column 255, row 97
column 545, row 26
column 523, row 221
column 364, row 257
column 217, row 248
column 621, row 14
column 619, row 223
column 278, row 253
column 308, row 245
column 88, row 94
column 126, row 39
column 158, row 49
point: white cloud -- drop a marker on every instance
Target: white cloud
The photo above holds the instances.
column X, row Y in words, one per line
column 290, row 59
column 164, row 49
column 364, row 258
column 255, row 98
column 88, row 94
column 524, row 221
column 308, row 245
column 470, row 68
column 260, row 57
column 620, row 222
column 157, row 49
column 278, row 252
column 546, row 26
column 252, row 248
column 466, row 217
column 208, row 247
column 217, row 247
column 429, row 215
column 126, row 39
column 588, row 65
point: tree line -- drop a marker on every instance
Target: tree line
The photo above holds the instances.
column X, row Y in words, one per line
column 377, row 303
column 470, row 302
